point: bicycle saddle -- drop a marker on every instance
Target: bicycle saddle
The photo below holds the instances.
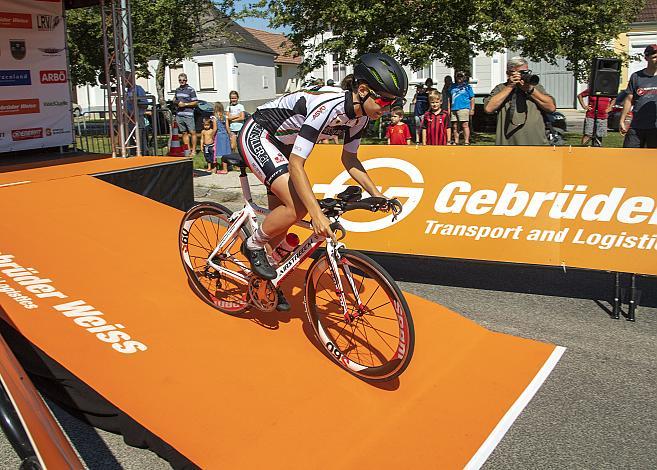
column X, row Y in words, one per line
column 352, row 193
column 234, row 159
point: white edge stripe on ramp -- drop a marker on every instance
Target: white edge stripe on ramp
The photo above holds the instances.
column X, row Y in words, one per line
column 510, row 416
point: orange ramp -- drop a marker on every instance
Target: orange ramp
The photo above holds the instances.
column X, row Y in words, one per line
column 253, row 391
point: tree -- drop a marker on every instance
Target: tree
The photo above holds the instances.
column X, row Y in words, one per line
column 166, row 30
column 418, row 31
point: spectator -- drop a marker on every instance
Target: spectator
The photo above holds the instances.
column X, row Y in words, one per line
column 398, row 132
column 330, row 82
column 420, row 104
column 207, row 142
column 428, row 85
column 235, row 118
column 185, row 101
column 447, row 102
column 603, row 105
column 462, row 107
column 142, row 103
column 222, row 137
column 436, row 121
column 642, row 94
column 520, row 106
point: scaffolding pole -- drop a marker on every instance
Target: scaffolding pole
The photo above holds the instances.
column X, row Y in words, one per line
column 120, row 79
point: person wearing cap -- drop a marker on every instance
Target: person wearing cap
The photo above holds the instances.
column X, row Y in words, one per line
column 642, row 95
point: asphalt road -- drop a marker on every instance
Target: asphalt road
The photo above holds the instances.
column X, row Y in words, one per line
column 597, row 410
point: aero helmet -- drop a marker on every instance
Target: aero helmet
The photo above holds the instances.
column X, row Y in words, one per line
column 382, row 73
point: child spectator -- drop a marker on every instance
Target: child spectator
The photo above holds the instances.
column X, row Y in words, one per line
column 604, row 104
column 207, row 141
column 222, row 137
column 420, row 104
column 398, row 132
column 235, row 118
column 462, row 107
column 436, row 121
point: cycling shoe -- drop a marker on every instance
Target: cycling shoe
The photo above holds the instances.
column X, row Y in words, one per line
column 259, row 263
column 283, row 304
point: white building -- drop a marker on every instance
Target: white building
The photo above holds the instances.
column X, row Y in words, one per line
column 243, row 63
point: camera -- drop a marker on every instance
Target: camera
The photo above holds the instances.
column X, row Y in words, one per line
column 528, row 77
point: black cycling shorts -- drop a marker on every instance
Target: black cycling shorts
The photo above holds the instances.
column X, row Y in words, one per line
column 265, row 155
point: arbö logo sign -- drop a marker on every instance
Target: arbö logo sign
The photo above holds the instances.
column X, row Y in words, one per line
column 52, row 76
column 409, row 196
column 26, row 134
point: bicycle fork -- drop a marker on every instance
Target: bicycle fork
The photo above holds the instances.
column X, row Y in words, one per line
column 335, row 260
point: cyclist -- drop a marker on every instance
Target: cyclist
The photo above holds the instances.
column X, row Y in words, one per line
column 278, row 138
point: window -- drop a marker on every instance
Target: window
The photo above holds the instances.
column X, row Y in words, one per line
column 173, row 76
column 206, row 76
column 265, row 81
column 339, row 70
column 279, row 71
column 423, row 73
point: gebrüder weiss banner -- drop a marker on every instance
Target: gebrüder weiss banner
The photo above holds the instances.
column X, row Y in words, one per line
column 580, row 207
column 35, row 100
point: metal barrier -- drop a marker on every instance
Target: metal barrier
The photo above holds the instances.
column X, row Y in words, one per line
column 92, row 130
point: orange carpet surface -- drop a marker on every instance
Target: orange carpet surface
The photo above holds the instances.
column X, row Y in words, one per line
column 76, row 166
column 238, row 392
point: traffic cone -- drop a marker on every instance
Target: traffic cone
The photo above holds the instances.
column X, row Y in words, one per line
column 175, row 149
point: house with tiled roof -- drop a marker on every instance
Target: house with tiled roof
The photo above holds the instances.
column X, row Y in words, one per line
column 641, row 33
column 286, row 62
column 239, row 61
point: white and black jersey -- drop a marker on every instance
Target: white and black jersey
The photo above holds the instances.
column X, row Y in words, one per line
column 299, row 120
column 293, row 123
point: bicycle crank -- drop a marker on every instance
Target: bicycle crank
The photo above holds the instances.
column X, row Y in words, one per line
column 263, row 294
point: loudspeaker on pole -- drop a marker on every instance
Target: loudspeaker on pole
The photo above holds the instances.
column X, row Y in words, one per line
column 605, row 77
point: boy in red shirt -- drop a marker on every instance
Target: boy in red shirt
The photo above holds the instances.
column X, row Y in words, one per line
column 604, row 106
column 436, row 121
column 398, row 132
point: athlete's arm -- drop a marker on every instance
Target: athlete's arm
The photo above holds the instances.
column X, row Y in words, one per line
column 299, row 178
column 355, row 168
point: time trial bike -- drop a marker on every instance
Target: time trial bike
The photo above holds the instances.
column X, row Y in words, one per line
column 357, row 311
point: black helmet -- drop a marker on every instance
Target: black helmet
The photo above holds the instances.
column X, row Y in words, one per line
column 382, row 73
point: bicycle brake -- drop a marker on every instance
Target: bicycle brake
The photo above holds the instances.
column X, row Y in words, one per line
column 337, row 227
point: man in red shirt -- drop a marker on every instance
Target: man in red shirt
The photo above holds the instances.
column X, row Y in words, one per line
column 398, row 132
column 604, row 104
column 435, row 122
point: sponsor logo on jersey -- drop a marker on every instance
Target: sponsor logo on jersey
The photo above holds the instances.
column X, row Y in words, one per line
column 52, row 76
column 47, row 22
column 26, row 106
column 18, row 49
column 15, row 77
column 15, row 20
column 319, row 111
column 26, row 134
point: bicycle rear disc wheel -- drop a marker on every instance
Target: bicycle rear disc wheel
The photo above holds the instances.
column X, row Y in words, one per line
column 377, row 345
column 202, row 228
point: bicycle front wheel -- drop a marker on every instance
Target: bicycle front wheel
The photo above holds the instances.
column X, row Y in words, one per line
column 375, row 340
column 222, row 281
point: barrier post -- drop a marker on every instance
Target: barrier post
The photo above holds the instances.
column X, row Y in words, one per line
column 617, row 292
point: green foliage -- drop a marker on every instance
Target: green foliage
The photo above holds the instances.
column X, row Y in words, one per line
column 419, row 31
column 167, row 30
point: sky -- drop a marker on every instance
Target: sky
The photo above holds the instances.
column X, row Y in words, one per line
column 258, row 23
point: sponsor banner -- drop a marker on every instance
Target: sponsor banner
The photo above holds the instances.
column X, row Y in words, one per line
column 562, row 207
column 52, row 76
column 32, row 60
column 12, row 107
column 15, row 77
column 15, row 20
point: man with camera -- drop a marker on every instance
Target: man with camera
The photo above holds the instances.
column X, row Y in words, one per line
column 520, row 103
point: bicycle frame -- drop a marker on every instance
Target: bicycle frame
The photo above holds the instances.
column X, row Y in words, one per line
column 248, row 216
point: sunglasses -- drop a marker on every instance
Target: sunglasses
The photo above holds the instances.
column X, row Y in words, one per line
column 383, row 101
column 182, row 81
